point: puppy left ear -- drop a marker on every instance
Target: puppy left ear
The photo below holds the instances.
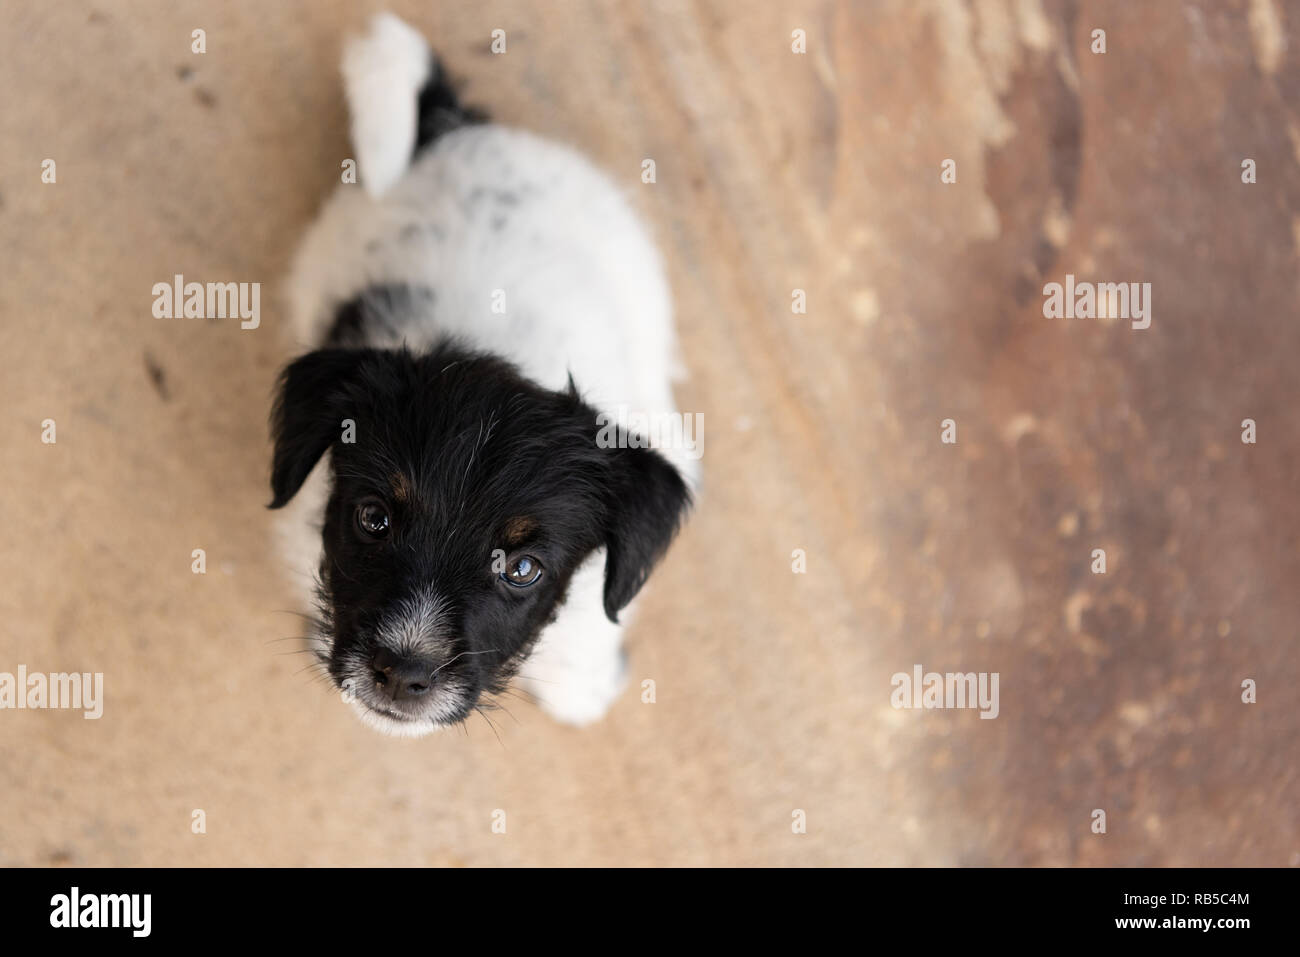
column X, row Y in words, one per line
column 648, row 500
column 303, row 421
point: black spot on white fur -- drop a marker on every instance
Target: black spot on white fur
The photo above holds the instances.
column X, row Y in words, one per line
column 440, row 109
column 379, row 314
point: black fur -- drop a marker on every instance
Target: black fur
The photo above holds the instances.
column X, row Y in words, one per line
column 480, row 448
column 379, row 313
column 440, row 109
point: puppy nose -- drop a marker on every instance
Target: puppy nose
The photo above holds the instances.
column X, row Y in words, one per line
column 397, row 678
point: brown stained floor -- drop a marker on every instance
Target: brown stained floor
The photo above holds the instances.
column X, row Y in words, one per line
column 775, row 172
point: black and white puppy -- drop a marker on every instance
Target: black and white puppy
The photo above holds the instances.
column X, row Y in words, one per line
column 475, row 303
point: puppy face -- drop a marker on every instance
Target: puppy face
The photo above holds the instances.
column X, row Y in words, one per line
column 463, row 499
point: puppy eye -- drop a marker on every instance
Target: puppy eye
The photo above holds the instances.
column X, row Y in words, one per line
column 522, row 571
column 372, row 520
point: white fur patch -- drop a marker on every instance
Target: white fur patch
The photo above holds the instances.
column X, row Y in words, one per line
column 416, row 627
column 382, row 75
column 577, row 670
column 392, row 726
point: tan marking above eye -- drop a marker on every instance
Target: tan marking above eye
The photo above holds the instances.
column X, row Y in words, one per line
column 401, row 487
column 518, row 529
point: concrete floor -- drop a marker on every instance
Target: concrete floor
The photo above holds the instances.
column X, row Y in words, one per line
column 776, row 172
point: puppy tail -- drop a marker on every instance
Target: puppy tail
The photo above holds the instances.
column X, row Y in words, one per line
column 400, row 100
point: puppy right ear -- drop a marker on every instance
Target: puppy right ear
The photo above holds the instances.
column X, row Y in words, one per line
column 304, row 420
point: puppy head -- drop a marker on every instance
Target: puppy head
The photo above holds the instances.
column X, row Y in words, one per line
column 463, row 498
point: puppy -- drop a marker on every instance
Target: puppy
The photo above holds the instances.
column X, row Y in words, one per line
column 475, row 303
